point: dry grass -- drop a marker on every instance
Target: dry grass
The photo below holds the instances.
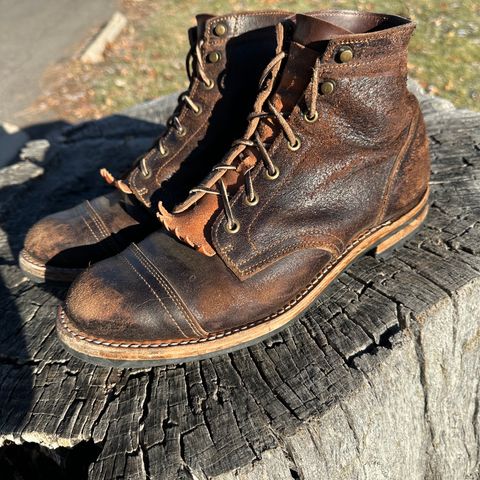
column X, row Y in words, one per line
column 148, row 60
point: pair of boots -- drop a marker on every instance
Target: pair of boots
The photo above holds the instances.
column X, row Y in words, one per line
column 296, row 149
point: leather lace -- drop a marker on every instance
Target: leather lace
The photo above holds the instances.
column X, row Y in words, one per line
column 254, row 141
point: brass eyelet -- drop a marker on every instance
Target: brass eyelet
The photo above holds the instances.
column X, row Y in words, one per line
column 345, row 54
column 214, row 57
column 146, row 173
column 295, row 146
column 199, row 110
column 250, row 203
column 220, row 30
column 232, row 228
column 209, row 85
column 327, row 87
column 310, row 119
column 181, row 133
column 164, row 153
column 273, row 176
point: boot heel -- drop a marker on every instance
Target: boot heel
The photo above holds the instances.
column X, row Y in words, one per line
column 397, row 239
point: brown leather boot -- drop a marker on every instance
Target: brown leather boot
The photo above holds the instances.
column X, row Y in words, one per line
column 228, row 54
column 334, row 163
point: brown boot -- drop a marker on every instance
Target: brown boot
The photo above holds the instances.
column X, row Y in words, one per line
column 228, row 54
column 334, row 163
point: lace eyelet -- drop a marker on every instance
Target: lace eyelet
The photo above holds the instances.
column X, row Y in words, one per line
column 327, row 87
column 220, row 30
column 270, row 176
column 295, row 146
column 181, row 133
column 344, row 54
column 310, row 119
column 214, row 57
column 235, row 228
column 198, row 111
column 209, row 85
column 146, row 173
column 164, row 153
column 250, row 203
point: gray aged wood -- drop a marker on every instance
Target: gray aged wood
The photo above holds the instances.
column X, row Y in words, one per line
column 379, row 380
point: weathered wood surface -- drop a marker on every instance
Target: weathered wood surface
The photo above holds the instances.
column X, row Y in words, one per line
column 379, row 380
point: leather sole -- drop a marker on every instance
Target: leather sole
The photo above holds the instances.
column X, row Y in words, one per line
column 39, row 273
column 379, row 240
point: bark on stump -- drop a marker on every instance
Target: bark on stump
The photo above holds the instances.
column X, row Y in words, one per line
column 379, row 380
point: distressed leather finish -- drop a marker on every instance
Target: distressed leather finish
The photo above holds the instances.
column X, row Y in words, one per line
column 362, row 163
column 89, row 232
column 337, row 184
column 98, row 229
column 128, row 297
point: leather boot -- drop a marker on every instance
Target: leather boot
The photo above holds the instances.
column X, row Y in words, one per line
column 333, row 164
column 228, row 54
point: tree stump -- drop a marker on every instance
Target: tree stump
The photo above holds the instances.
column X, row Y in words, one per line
column 379, row 380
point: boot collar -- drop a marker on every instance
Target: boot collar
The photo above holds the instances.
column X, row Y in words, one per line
column 371, row 34
column 217, row 29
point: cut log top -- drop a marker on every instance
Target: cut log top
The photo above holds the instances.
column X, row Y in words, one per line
column 378, row 380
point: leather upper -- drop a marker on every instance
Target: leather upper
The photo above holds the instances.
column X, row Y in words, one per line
column 100, row 228
column 89, row 232
column 363, row 162
column 244, row 50
column 335, row 185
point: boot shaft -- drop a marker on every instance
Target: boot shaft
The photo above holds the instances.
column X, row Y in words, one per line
column 231, row 51
column 361, row 157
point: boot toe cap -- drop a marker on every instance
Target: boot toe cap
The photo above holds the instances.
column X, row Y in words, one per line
column 118, row 301
column 47, row 238
column 65, row 239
